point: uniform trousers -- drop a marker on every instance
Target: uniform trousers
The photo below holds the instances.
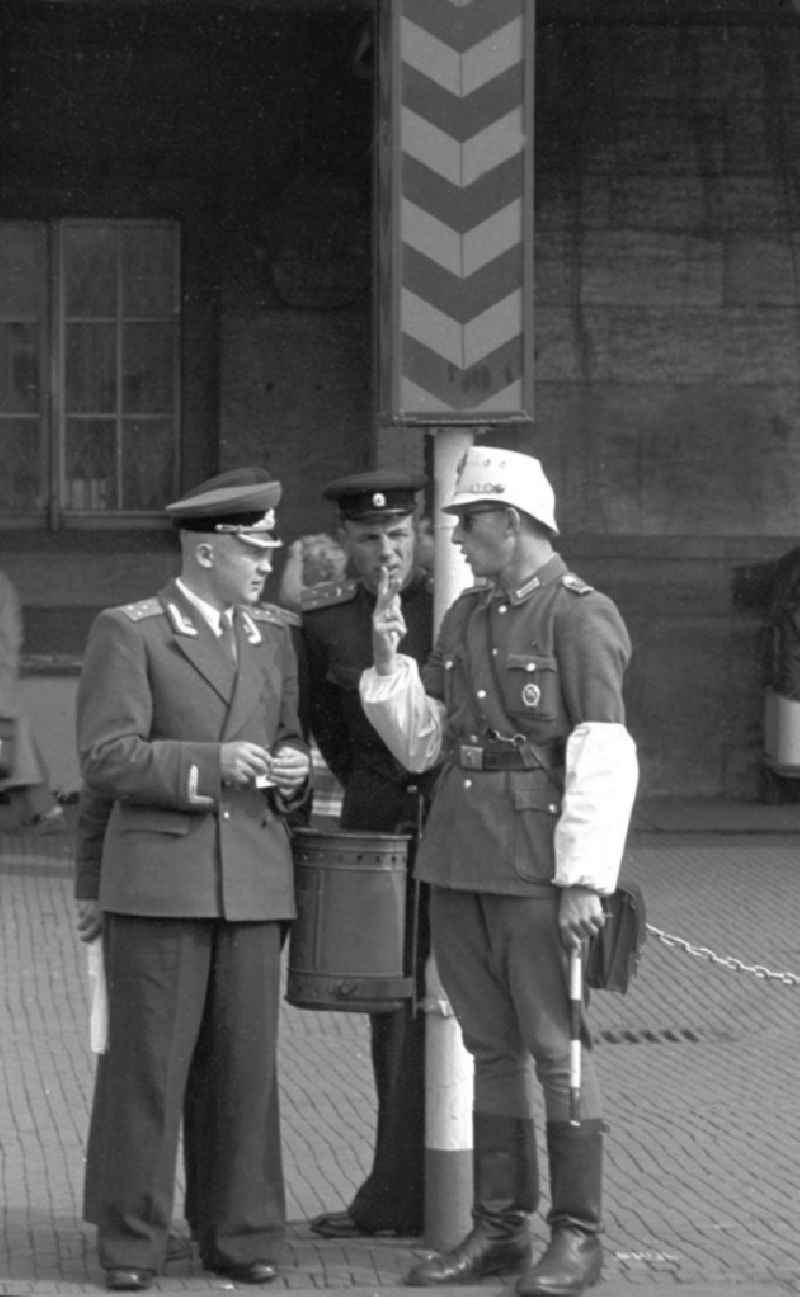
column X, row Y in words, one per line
column 506, row 974
column 183, row 993
column 392, row 1196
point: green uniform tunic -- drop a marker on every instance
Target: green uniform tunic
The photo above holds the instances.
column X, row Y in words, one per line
column 532, row 664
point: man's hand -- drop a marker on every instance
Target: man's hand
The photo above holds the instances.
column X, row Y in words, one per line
column 241, row 763
column 580, row 916
column 89, row 919
column 288, row 769
column 388, row 625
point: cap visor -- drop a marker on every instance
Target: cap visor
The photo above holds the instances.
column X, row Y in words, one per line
column 258, row 542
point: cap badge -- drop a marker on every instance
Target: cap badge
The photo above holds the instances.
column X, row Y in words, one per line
column 531, row 694
column 379, row 500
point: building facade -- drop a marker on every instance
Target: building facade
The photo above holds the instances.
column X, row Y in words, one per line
column 188, row 282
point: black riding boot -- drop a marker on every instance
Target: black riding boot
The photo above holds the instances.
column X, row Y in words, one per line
column 574, row 1257
column 506, row 1191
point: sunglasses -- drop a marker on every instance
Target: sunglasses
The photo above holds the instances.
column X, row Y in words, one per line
column 466, row 520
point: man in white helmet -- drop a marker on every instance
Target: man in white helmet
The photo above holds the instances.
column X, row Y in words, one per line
column 522, row 702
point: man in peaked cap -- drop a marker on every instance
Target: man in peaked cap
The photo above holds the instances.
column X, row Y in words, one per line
column 188, row 735
column 521, row 702
column 377, row 517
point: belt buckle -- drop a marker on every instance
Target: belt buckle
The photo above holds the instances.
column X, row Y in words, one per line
column 470, row 756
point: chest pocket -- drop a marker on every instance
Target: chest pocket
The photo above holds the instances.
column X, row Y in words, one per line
column 531, row 687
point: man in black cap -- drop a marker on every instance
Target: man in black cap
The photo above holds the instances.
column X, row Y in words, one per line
column 188, row 730
column 378, row 532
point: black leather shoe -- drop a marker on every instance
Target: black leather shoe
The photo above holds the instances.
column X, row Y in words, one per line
column 341, row 1224
column 122, row 1279
column 476, row 1257
column 572, row 1262
column 338, row 1224
column 246, row 1271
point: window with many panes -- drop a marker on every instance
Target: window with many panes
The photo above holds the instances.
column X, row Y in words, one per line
column 89, row 370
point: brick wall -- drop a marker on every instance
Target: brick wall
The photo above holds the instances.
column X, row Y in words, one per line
column 667, row 329
column 667, row 393
column 667, row 275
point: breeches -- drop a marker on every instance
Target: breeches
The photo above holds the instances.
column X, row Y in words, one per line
column 506, row 974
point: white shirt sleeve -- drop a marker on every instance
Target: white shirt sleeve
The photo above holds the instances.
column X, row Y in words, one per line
column 409, row 721
column 600, row 785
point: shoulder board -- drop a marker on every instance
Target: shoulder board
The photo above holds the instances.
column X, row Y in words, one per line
column 574, row 583
column 144, row 608
column 273, row 612
column 327, row 594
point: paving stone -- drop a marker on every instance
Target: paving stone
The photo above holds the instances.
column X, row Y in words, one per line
column 697, row 1063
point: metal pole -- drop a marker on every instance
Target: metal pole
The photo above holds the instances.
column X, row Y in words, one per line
column 452, row 573
column 575, row 1015
column 448, row 1066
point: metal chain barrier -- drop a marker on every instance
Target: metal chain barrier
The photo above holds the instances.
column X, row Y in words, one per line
column 723, row 961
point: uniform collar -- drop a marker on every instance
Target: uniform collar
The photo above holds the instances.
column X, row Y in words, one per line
column 552, row 570
column 211, row 615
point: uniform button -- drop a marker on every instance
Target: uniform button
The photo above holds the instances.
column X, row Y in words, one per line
column 552, row 808
column 530, row 666
column 494, row 653
column 226, row 815
column 480, row 693
column 503, row 608
column 473, row 738
column 467, row 783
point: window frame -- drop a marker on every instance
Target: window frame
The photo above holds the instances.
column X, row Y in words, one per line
column 12, row 519
column 57, row 515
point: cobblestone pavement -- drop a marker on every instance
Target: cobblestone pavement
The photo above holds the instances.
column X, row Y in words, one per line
column 698, row 1065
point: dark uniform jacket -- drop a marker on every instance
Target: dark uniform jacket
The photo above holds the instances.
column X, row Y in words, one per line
column 337, row 633
column 532, row 665
column 158, row 695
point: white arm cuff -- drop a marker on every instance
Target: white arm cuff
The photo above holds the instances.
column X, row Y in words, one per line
column 408, row 720
column 601, row 777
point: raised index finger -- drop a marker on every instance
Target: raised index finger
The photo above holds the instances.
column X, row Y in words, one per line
column 384, row 594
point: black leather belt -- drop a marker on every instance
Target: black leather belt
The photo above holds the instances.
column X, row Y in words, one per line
column 477, row 756
column 471, row 756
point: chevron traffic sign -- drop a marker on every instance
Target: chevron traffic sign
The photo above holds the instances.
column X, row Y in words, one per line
column 455, row 211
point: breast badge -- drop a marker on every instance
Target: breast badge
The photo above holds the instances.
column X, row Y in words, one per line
column 531, row 694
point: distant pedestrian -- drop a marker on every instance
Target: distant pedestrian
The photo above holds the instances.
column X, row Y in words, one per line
column 187, row 720
column 24, row 777
column 314, row 559
column 522, row 703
